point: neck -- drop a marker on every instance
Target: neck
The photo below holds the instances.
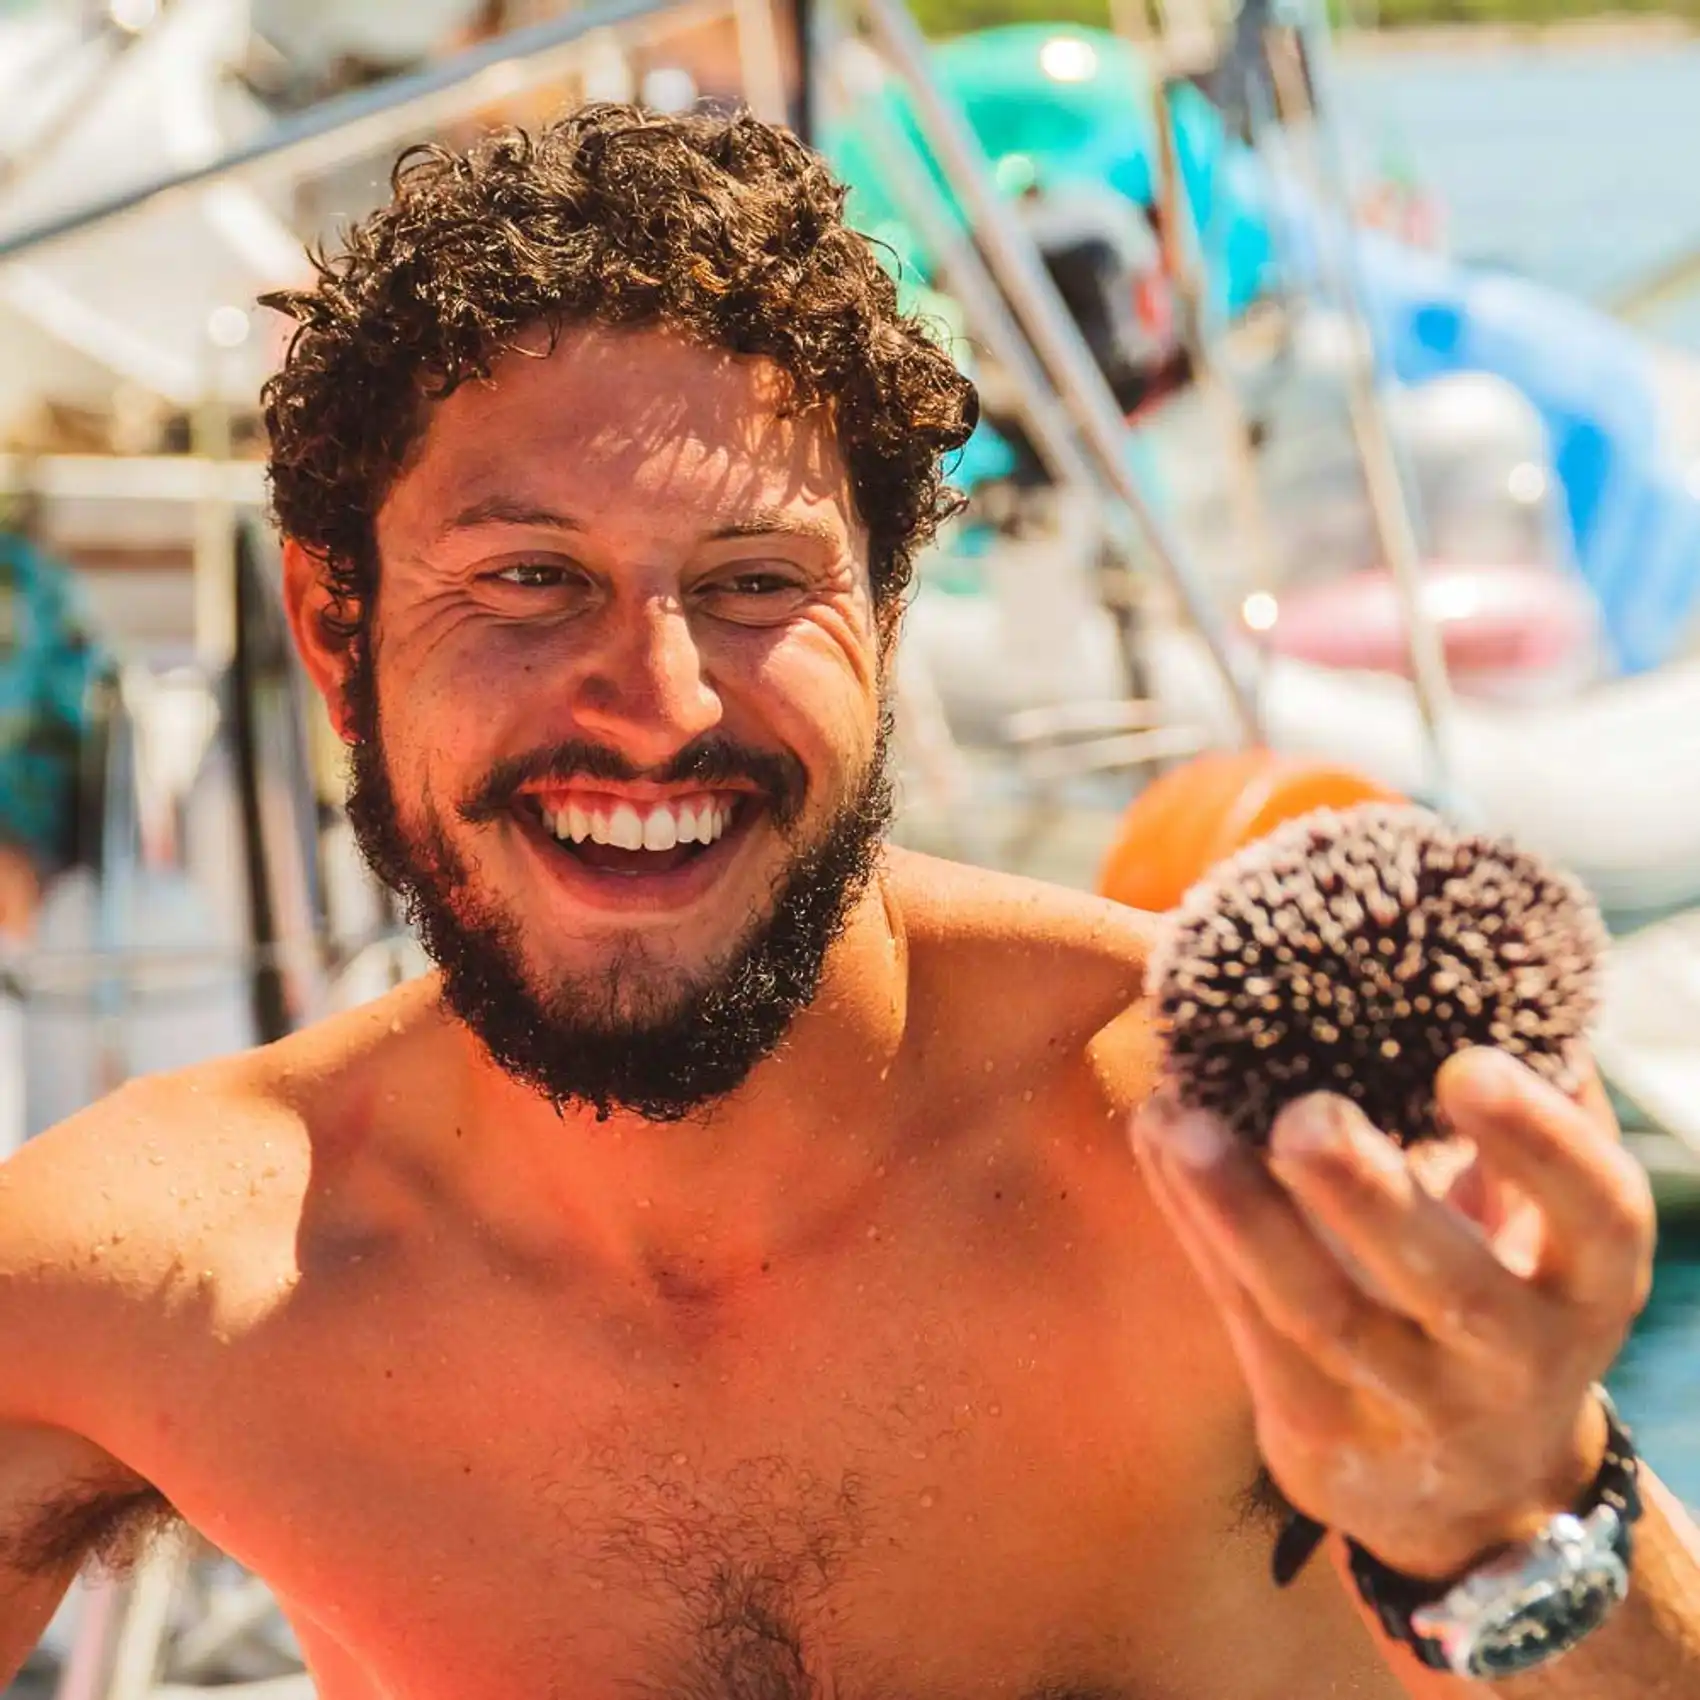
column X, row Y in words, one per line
column 761, row 1176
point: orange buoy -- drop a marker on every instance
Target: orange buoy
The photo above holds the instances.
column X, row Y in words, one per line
column 1189, row 819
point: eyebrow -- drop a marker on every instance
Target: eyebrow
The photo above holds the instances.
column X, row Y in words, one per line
column 775, row 522
column 761, row 522
column 507, row 510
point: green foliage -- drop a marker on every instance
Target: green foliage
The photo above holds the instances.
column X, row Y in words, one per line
column 943, row 18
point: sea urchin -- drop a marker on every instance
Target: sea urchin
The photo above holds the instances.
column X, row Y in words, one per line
column 1354, row 951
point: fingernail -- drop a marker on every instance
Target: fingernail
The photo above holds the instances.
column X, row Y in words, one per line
column 1195, row 1139
column 1486, row 1073
column 1312, row 1125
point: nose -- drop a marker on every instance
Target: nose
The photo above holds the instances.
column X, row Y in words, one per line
column 645, row 689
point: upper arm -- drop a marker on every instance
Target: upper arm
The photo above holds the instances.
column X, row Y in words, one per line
column 63, row 1498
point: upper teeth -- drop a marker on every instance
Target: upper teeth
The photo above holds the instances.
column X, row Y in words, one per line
column 698, row 820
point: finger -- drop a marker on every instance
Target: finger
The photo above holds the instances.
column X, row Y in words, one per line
column 1511, row 1222
column 1279, row 1376
column 1300, row 1287
column 1594, row 1197
column 1424, row 1259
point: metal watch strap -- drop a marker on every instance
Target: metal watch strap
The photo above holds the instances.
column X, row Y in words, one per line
column 1393, row 1596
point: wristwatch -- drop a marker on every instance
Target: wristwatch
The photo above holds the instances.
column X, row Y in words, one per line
column 1527, row 1603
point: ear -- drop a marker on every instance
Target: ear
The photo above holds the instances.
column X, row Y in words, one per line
column 308, row 601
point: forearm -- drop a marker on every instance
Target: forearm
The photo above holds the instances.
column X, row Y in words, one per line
column 1650, row 1649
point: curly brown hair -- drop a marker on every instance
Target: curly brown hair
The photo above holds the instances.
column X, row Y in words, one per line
column 725, row 229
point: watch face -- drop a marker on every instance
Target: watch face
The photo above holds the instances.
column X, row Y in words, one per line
column 1544, row 1626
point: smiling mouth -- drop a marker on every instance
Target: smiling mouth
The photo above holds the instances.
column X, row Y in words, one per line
column 624, row 841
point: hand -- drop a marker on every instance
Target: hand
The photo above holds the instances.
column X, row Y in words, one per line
column 1419, row 1366
column 19, row 892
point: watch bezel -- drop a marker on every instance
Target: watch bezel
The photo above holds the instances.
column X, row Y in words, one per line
column 1571, row 1555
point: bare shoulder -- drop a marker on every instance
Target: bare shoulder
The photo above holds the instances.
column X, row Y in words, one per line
column 101, row 1216
column 166, row 1211
column 1032, row 971
column 980, row 917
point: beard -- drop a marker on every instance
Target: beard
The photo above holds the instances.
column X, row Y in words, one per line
column 617, row 1040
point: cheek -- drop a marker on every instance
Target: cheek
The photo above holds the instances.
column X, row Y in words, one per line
column 437, row 731
column 819, row 689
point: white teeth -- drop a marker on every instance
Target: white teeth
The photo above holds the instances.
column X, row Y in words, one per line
column 665, row 826
column 659, row 832
column 625, row 830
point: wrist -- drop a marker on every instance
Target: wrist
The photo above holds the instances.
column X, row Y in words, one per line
column 1565, row 1487
column 1530, row 1597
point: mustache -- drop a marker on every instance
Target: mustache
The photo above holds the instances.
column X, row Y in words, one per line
column 708, row 761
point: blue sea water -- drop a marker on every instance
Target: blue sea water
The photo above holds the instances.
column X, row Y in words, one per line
column 1576, row 167
column 1573, row 165
column 1657, row 1377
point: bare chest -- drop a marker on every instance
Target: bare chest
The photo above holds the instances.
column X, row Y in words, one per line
column 891, row 1499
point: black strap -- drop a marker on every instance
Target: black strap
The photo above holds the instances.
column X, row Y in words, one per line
column 1300, row 1536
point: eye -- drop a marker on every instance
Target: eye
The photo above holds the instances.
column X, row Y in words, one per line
column 531, row 575
column 755, row 594
column 758, row 583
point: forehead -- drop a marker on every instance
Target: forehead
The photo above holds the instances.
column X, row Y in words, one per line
column 617, row 425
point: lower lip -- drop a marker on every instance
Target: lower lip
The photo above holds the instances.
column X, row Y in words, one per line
column 639, row 893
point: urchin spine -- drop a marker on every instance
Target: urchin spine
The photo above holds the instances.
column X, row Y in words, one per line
column 1354, row 951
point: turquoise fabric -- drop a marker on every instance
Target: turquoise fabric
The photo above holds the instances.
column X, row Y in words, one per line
column 48, row 660
column 1094, row 124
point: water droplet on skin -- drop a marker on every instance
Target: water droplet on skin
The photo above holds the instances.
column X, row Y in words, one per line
column 157, row 1160
column 680, row 1459
column 643, row 1204
column 928, row 1500
column 994, row 1410
column 987, row 1065
column 1027, row 1096
column 395, row 1024
column 873, row 1233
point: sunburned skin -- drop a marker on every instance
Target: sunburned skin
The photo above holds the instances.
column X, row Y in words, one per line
column 881, row 1378
column 972, row 1431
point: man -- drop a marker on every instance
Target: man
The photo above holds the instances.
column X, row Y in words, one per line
column 728, row 1276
